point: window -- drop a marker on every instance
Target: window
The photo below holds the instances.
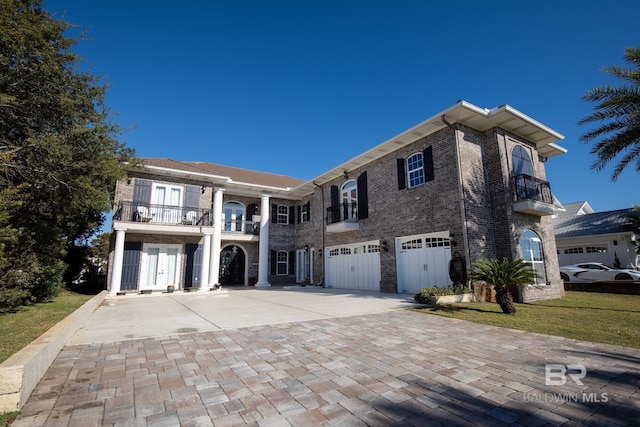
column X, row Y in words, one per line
column 522, row 164
column 415, row 170
column 596, row 249
column 283, row 215
column 304, row 212
column 233, row 216
column 349, row 195
column 531, row 248
column 282, row 263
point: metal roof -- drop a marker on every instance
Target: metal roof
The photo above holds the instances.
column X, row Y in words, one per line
column 610, row 222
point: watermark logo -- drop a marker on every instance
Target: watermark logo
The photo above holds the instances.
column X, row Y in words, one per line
column 556, row 374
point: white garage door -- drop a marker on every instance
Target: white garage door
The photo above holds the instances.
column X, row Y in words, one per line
column 354, row 266
column 580, row 254
column 423, row 261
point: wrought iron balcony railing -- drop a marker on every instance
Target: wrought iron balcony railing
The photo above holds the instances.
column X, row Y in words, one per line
column 527, row 187
column 162, row 214
column 342, row 212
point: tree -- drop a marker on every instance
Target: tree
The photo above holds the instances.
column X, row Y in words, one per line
column 60, row 153
column 633, row 224
column 504, row 275
column 618, row 112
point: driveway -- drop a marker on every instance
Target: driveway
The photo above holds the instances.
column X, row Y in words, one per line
column 304, row 357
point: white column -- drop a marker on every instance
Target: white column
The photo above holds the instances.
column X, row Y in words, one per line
column 263, row 254
column 214, row 271
column 116, row 266
column 204, row 268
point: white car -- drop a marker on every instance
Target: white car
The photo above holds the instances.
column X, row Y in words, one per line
column 594, row 272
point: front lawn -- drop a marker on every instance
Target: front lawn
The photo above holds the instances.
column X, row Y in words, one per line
column 589, row 316
column 25, row 324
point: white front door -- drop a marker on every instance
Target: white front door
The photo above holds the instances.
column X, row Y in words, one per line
column 166, row 203
column 160, row 264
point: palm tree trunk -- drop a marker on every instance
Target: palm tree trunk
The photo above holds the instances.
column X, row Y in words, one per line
column 504, row 298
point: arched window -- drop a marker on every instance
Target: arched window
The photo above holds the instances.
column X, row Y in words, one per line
column 233, row 217
column 349, row 201
column 522, row 164
column 531, row 248
column 415, row 170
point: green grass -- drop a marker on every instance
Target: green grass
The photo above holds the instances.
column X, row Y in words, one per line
column 19, row 328
column 589, row 316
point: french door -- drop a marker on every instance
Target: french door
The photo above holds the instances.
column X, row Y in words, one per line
column 166, row 203
column 160, row 265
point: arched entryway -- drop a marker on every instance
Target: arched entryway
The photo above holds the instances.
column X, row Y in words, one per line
column 232, row 265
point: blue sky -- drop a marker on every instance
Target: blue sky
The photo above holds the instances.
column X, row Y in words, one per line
column 298, row 87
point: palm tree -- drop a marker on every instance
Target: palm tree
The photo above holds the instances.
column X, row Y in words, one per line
column 633, row 224
column 618, row 112
column 504, row 275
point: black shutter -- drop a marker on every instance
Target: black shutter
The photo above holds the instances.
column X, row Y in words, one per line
column 309, row 211
column 191, row 198
column 292, row 214
column 193, row 265
column 363, row 197
column 299, row 214
column 274, row 213
column 251, row 211
column 274, row 261
column 335, row 205
column 402, row 175
column 130, row 266
column 292, row 262
column 427, row 160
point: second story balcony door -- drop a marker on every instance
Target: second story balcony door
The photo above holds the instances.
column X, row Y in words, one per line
column 166, row 203
column 349, row 201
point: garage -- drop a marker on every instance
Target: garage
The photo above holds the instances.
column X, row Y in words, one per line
column 423, row 261
column 354, row 266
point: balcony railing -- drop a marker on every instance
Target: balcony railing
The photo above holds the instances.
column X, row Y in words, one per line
column 239, row 226
column 162, row 214
column 530, row 188
column 342, row 212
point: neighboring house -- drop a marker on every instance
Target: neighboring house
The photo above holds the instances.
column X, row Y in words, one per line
column 414, row 211
column 583, row 235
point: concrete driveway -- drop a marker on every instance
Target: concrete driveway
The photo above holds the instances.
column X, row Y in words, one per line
column 143, row 316
column 307, row 357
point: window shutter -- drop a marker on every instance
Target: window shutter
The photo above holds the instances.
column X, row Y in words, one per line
column 363, row 197
column 292, row 262
column 427, row 159
column 193, row 264
column 191, row 197
column 335, row 196
column 292, row 214
column 274, row 213
column 141, row 192
column 402, row 175
column 130, row 265
column 309, row 211
column 299, row 214
column 251, row 211
column 274, row 261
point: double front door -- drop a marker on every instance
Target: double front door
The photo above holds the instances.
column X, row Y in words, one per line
column 160, row 264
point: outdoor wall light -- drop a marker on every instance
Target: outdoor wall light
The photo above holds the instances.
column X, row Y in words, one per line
column 384, row 246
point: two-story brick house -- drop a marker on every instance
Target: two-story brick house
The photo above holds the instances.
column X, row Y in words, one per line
column 413, row 211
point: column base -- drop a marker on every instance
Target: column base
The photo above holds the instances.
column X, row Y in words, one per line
column 263, row 285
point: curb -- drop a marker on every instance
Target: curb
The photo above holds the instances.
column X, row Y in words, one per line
column 20, row 373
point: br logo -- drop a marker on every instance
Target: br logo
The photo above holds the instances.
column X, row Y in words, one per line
column 556, row 374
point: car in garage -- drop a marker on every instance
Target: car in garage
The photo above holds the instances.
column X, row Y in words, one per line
column 596, row 272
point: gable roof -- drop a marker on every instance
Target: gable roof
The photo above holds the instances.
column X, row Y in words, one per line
column 610, row 222
column 576, row 208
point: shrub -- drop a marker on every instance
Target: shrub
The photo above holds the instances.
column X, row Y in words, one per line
column 430, row 295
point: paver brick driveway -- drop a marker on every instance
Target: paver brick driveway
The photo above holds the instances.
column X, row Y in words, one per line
column 391, row 368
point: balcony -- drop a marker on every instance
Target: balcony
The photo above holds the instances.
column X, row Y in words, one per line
column 342, row 217
column 162, row 214
column 532, row 196
column 241, row 227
